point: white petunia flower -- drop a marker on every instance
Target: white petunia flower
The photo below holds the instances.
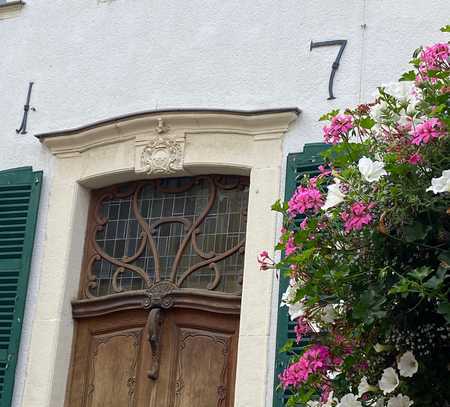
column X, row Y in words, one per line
column 441, row 184
column 378, row 403
column 400, row 401
column 378, row 111
column 371, row 170
column 334, row 196
column 407, row 365
column 349, row 400
column 365, row 387
column 389, row 380
column 403, row 91
column 295, row 309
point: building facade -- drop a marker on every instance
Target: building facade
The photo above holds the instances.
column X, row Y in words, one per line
column 131, row 91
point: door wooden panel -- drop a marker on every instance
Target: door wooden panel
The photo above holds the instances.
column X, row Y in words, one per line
column 197, row 360
column 106, row 359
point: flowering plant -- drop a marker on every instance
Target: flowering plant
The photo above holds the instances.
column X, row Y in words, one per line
column 367, row 250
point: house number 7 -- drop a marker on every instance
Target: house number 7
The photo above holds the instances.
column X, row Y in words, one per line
column 335, row 65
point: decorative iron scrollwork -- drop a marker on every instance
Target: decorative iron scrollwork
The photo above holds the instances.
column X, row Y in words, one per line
column 139, row 239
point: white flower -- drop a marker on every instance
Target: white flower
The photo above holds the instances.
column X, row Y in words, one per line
column 381, row 348
column 312, row 403
column 412, row 103
column 403, row 91
column 295, row 309
column 365, row 387
column 407, row 365
column 349, row 400
column 400, row 401
column 371, row 170
column 334, row 196
column 289, row 295
column 378, row 111
column 441, row 184
column 329, row 313
column 389, row 380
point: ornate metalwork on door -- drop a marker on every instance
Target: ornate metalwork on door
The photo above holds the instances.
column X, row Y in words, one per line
column 167, row 234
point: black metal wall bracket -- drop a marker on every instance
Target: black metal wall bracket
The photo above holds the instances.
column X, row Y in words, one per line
column 335, row 65
column 26, row 108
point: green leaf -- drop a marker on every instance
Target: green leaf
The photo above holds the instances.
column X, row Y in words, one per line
column 287, row 347
column 367, row 122
column 329, row 115
column 420, row 274
column 444, row 309
column 279, row 206
column 416, row 231
column 408, row 76
column 445, row 28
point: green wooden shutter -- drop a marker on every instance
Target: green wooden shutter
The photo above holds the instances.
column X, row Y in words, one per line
column 298, row 164
column 19, row 201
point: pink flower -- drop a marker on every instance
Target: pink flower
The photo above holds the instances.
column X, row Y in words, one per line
column 317, row 359
column 265, row 262
column 434, row 56
column 290, row 246
column 427, row 131
column 325, row 390
column 358, row 217
column 415, row 159
column 301, row 329
column 323, row 171
column 304, row 224
column 340, row 124
column 305, row 199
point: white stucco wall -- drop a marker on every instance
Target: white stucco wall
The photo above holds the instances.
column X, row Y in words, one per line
column 93, row 59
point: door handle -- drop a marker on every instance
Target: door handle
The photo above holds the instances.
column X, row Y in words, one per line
column 155, row 320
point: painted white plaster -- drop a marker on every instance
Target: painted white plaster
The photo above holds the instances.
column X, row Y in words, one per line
column 93, row 59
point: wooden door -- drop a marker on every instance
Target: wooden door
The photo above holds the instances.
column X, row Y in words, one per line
column 192, row 364
column 158, row 310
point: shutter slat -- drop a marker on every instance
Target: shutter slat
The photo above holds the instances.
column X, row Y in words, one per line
column 19, row 200
column 298, row 164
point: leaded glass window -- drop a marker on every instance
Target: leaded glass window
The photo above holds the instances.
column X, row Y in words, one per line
column 187, row 231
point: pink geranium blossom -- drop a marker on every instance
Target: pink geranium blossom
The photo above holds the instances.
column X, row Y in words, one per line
column 317, row 359
column 415, row 159
column 340, row 124
column 358, row 217
column 290, row 246
column 434, row 56
column 305, row 199
column 301, row 329
column 428, row 131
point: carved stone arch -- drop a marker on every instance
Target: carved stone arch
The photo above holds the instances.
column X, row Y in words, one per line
column 152, row 145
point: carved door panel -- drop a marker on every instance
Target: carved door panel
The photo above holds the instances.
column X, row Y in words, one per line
column 197, row 361
column 106, row 360
column 191, row 364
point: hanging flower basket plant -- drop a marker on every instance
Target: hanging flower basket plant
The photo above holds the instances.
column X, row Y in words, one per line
column 367, row 250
